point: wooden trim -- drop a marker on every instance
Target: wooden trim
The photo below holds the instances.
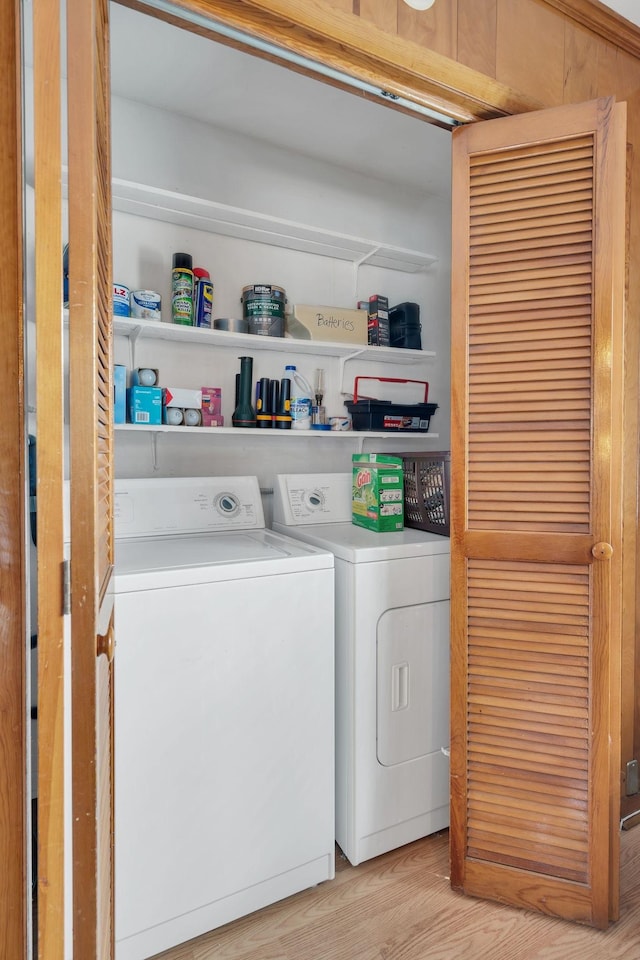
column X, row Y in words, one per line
column 603, row 21
column 50, row 470
column 620, row 514
column 91, row 469
column 359, row 49
column 630, row 741
column 13, row 625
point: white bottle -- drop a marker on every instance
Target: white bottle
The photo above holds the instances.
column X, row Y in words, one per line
column 301, row 403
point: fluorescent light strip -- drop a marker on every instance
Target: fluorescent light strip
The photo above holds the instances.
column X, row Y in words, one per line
column 287, row 55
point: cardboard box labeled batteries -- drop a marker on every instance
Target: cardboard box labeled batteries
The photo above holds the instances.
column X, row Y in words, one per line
column 377, row 493
column 337, row 324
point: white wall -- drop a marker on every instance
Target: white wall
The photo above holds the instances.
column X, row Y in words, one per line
column 175, row 153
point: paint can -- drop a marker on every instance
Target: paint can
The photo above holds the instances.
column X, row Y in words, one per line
column 120, row 300
column 145, row 305
column 263, row 308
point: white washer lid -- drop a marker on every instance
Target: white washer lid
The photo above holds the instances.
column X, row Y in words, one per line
column 357, row 545
column 161, row 562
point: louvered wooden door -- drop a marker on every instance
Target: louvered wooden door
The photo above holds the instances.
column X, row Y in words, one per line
column 538, row 259
column 91, row 468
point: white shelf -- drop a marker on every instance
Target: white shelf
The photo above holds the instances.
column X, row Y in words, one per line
column 247, row 342
column 170, row 207
column 240, row 432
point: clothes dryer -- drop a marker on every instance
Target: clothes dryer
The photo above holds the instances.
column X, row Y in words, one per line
column 224, row 710
column 392, row 666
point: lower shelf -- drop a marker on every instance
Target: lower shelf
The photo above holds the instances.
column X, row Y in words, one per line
column 358, row 438
column 239, row 432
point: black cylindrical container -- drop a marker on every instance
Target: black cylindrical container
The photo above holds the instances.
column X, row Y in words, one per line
column 404, row 326
column 283, row 413
column 244, row 415
column 263, row 406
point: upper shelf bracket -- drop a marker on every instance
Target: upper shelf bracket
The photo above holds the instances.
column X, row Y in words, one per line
column 343, row 361
column 358, row 263
column 134, row 336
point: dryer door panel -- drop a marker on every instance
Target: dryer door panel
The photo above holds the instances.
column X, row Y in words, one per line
column 413, row 682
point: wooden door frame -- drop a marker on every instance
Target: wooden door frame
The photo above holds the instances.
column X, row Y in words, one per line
column 50, row 478
column 91, row 471
column 15, row 729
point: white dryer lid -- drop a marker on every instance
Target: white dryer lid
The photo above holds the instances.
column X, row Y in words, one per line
column 357, row 545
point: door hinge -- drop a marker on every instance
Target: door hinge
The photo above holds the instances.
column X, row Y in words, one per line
column 66, row 588
column 632, row 778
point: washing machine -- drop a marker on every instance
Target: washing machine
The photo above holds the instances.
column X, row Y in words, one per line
column 223, row 712
column 392, row 666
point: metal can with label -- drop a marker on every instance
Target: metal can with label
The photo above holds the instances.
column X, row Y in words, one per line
column 120, row 300
column 145, row 305
column 263, row 308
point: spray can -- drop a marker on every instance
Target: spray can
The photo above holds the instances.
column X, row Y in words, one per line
column 182, row 289
column 203, row 297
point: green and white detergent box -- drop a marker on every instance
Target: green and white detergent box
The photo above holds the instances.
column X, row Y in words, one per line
column 377, row 492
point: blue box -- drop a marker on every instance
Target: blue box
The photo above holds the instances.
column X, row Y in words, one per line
column 145, row 405
column 119, row 393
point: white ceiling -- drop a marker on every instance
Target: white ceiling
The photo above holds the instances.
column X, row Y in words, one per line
column 629, row 9
column 158, row 65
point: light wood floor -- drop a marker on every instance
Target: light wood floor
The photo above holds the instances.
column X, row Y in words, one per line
column 400, row 907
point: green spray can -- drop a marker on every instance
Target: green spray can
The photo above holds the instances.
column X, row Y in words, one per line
column 182, row 289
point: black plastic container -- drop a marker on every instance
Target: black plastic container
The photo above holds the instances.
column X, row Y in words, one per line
column 391, row 417
column 404, row 326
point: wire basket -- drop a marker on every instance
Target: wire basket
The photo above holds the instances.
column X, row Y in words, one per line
column 427, row 486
